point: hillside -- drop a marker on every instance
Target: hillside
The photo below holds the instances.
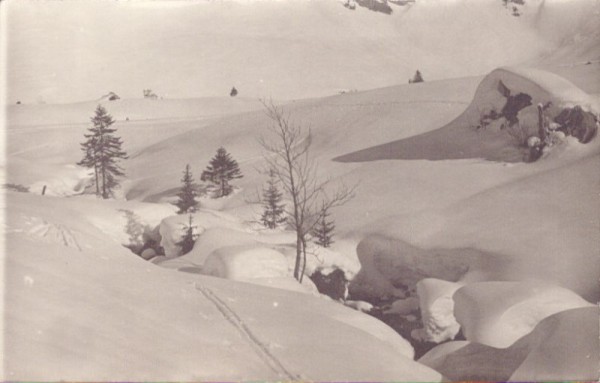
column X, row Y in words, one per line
column 449, row 228
column 285, row 50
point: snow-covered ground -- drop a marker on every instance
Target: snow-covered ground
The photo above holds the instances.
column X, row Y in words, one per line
column 446, row 220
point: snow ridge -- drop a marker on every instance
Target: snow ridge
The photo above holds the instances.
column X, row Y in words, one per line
column 262, row 350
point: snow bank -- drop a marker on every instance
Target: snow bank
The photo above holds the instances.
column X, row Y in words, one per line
column 499, row 313
column 172, row 229
column 99, row 313
column 461, row 139
column 437, row 310
column 387, row 262
column 246, row 262
column 563, row 346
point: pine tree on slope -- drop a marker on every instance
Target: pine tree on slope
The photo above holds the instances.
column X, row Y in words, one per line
column 273, row 213
column 102, row 151
column 189, row 238
column 323, row 231
column 220, row 170
column 187, row 194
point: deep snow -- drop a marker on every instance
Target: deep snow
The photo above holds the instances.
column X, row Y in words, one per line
column 80, row 306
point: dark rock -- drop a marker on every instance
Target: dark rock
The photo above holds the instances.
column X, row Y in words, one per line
column 333, row 284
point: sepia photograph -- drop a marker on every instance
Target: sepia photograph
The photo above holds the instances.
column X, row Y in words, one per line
column 299, row 190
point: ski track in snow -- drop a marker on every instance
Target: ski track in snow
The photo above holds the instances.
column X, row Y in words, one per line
column 261, row 350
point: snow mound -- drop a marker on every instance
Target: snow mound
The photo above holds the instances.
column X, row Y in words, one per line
column 437, row 309
column 563, row 346
column 388, row 262
column 461, row 138
column 499, row 313
column 172, row 228
column 246, row 262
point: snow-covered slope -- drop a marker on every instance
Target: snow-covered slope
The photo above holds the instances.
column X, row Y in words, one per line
column 95, row 311
column 563, row 346
column 61, row 52
column 464, row 137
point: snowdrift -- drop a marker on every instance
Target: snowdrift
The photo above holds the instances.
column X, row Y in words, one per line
column 464, row 138
column 499, row 313
column 563, row 346
column 251, row 43
column 98, row 312
column 246, row 262
column 437, row 310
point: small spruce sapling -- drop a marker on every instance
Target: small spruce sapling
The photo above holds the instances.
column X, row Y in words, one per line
column 274, row 210
column 187, row 194
column 189, row 238
column 323, row 230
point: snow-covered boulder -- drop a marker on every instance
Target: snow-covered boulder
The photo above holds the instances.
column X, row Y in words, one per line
column 173, row 228
column 437, row 309
column 388, row 262
column 362, row 306
column 499, row 313
column 563, row 346
column 403, row 306
column 246, row 262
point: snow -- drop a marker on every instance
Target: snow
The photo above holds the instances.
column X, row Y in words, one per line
column 82, row 314
column 258, row 36
column 563, row 346
column 246, row 262
column 461, row 139
column 437, row 310
column 499, row 313
column 403, row 306
column 81, row 306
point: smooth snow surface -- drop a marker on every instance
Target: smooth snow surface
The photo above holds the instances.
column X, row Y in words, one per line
column 432, row 214
column 563, row 346
column 462, row 139
column 499, row 313
column 94, row 311
column 283, row 49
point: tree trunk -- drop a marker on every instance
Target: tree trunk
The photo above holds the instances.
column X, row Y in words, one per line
column 303, row 259
column 96, row 175
column 298, row 256
column 104, row 194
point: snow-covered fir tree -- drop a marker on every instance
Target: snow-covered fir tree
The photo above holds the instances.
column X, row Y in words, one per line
column 220, row 171
column 274, row 210
column 187, row 194
column 323, row 231
column 188, row 239
column 102, row 151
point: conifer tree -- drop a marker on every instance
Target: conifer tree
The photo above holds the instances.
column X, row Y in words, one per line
column 102, row 151
column 323, row 230
column 220, row 170
column 187, row 194
column 273, row 214
column 189, row 238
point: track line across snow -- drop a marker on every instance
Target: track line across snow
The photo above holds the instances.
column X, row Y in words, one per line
column 261, row 350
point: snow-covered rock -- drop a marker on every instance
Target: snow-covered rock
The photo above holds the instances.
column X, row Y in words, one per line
column 403, row 306
column 363, row 306
column 563, row 346
column 246, row 262
column 387, row 262
column 499, row 313
column 437, row 309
